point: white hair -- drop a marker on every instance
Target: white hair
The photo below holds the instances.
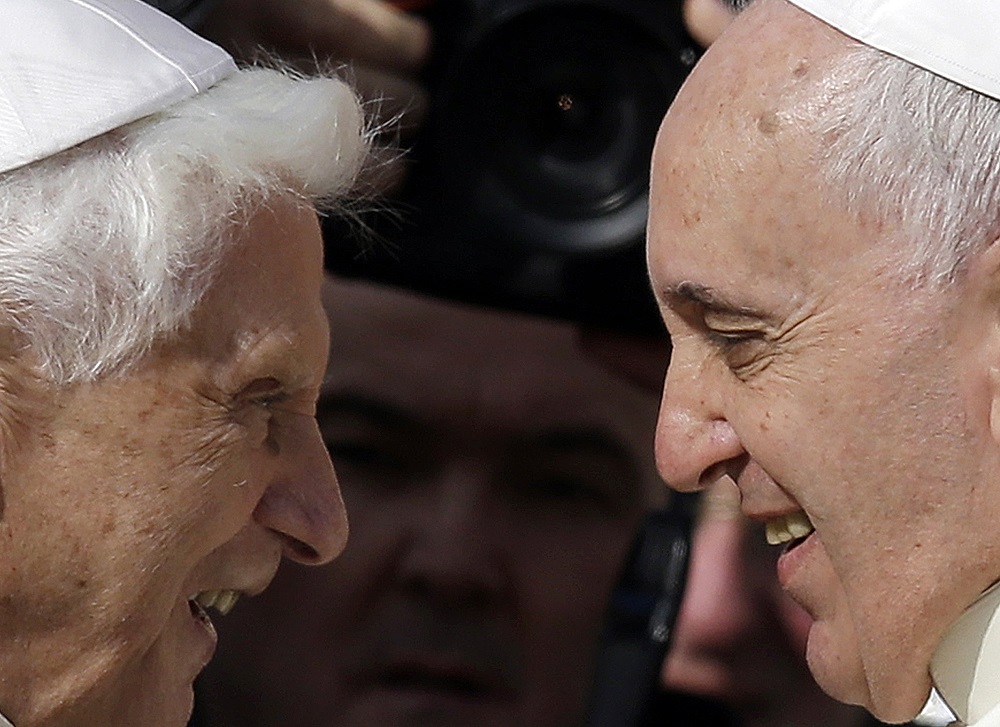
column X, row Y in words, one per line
column 109, row 246
column 908, row 146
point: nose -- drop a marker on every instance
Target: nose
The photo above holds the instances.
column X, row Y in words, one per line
column 302, row 505
column 453, row 556
column 693, row 436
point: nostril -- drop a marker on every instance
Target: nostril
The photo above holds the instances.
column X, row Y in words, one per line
column 299, row 550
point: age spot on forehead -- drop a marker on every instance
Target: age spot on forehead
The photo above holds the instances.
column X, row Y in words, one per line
column 769, row 123
column 801, row 69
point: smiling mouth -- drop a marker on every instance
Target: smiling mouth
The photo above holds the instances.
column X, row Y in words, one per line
column 791, row 528
column 221, row 600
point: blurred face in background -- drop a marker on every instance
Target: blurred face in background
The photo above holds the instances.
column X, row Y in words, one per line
column 494, row 475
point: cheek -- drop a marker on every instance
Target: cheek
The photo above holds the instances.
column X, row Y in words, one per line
column 565, row 585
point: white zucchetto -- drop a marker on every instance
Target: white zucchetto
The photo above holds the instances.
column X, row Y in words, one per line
column 71, row 70
column 955, row 39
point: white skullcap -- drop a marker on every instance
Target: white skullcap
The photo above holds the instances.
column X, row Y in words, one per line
column 71, row 70
column 956, row 39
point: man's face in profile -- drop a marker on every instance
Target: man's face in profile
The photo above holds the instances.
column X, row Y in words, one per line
column 494, row 475
column 810, row 370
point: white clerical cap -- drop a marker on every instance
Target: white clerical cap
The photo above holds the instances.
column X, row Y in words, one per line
column 956, row 39
column 71, row 70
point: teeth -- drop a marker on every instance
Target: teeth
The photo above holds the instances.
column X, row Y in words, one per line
column 787, row 528
column 221, row 600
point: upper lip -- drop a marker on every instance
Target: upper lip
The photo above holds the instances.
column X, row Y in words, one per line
column 244, row 584
column 762, row 499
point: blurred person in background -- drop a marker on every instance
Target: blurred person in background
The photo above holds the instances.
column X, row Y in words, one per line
column 333, row 653
column 494, row 475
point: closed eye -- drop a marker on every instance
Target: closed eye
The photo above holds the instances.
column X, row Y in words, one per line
column 726, row 339
column 742, row 343
column 264, row 395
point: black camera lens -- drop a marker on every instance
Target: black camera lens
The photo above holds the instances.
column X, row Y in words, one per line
column 528, row 184
column 548, row 126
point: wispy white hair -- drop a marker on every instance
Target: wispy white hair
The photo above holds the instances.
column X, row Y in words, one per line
column 109, row 246
column 910, row 147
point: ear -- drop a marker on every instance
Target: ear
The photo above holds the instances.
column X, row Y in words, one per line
column 23, row 390
column 978, row 330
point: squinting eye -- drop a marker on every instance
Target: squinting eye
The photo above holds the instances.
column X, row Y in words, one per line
column 742, row 351
column 730, row 339
column 264, row 392
column 262, row 396
column 269, row 401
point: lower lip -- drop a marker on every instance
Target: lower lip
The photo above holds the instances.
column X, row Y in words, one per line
column 205, row 631
column 795, row 559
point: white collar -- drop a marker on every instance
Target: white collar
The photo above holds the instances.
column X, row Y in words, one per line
column 966, row 665
column 4, row 722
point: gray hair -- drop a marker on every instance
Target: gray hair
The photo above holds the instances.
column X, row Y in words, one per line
column 108, row 247
column 908, row 146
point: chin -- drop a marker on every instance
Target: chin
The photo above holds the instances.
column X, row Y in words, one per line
column 839, row 671
column 835, row 666
column 895, row 704
column 163, row 706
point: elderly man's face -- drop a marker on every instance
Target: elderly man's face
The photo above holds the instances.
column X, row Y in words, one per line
column 810, row 371
column 494, row 476
column 192, row 474
column 733, row 613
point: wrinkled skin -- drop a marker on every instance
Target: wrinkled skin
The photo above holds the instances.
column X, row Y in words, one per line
column 494, row 475
column 738, row 638
column 196, row 470
column 813, row 373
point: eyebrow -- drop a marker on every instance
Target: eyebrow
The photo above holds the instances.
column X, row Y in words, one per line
column 599, row 443
column 589, row 439
column 571, row 439
column 708, row 298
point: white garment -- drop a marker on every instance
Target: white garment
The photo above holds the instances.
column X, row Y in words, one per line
column 4, row 722
column 956, row 39
column 990, row 719
column 966, row 665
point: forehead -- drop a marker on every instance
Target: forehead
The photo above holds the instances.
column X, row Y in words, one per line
column 263, row 314
column 463, row 364
column 736, row 171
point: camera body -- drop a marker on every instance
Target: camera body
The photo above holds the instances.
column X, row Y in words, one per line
column 528, row 184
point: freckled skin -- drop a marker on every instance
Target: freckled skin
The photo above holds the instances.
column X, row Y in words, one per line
column 846, row 392
column 457, row 545
column 120, row 497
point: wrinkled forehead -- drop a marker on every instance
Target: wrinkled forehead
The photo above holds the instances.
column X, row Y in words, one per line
column 740, row 152
column 768, row 71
